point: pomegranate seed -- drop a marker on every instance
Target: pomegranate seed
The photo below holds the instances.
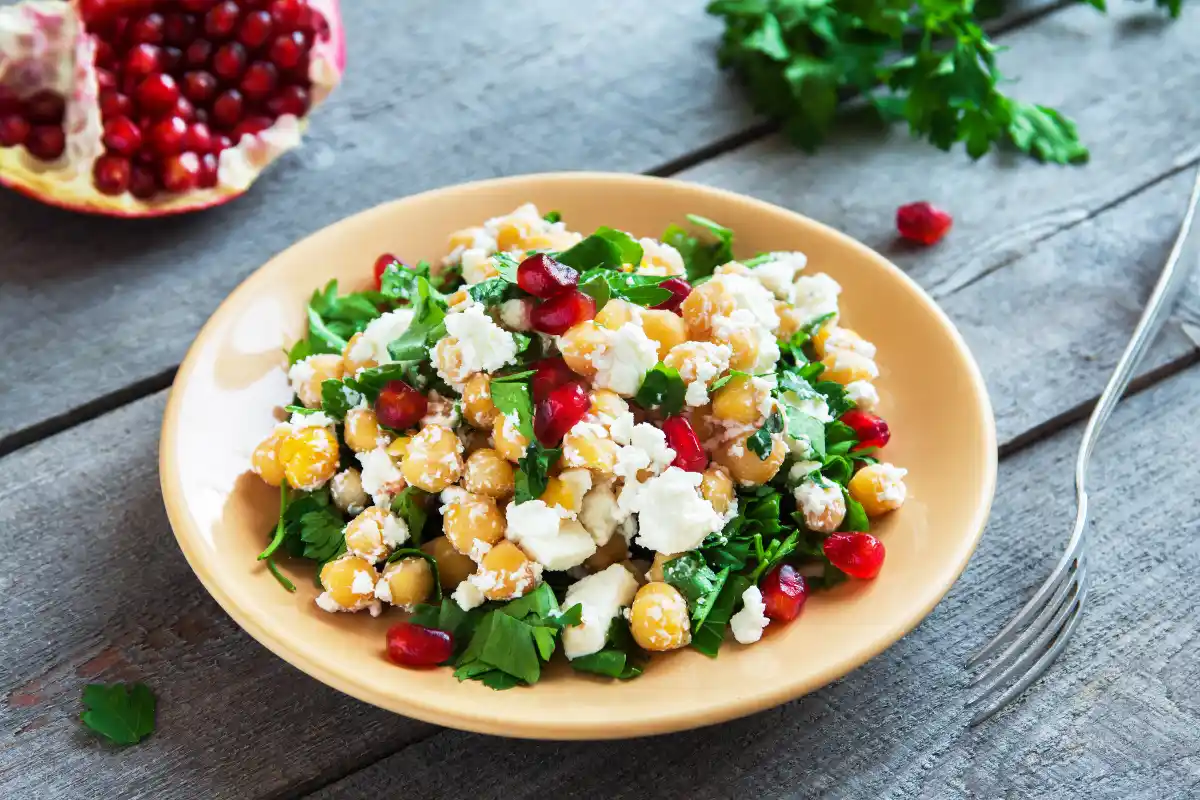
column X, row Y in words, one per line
column 166, row 136
column 922, row 222
column 252, row 126
column 400, row 406
column 229, row 62
column 221, row 19
column 142, row 182
column 172, row 59
column 320, row 25
column 227, row 109
column 559, row 412
column 199, row 139
column 10, row 103
column 871, row 430
column 45, row 108
column 157, row 94
column 543, row 277
column 106, row 56
column 183, row 109
column 199, row 86
column 97, row 12
column 292, row 100
column 412, row 645
column 180, row 29
column 260, row 80
column 287, row 13
column 113, row 104
column 46, row 142
column 198, row 53
column 551, row 373
column 181, row 173
column 142, row 61
column 111, row 174
column 287, row 50
column 147, row 30
column 105, row 80
column 559, row 314
column 14, row 130
column 689, row 452
column 679, row 289
column 197, row 6
column 122, row 136
column 859, row 555
column 784, row 591
column 256, row 29
column 381, row 264
column 224, row 143
column 209, row 169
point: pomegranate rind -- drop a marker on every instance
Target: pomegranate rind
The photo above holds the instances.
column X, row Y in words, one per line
column 43, row 45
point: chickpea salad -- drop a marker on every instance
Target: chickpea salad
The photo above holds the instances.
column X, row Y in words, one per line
column 606, row 444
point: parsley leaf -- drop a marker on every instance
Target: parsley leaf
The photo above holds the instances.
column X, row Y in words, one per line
column 321, row 532
column 410, row 506
column 621, row 658
column 691, row 576
column 603, row 284
column 338, row 397
column 607, row 247
column 761, row 442
column 552, row 216
column 332, row 320
column 806, row 428
column 122, row 713
column 533, row 471
column 427, row 326
column 701, row 259
column 709, row 635
column 514, row 398
column 663, row 388
column 856, row 517
column 506, row 266
column 493, row 291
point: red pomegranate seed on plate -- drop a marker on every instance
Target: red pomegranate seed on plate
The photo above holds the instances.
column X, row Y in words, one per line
column 689, row 452
column 157, row 94
column 260, row 80
column 113, row 104
column 46, row 142
column 14, row 130
column 221, row 19
column 543, row 277
column 287, row 14
column 199, row 139
column 784, row 591
column 111, row 174
column 287, row 50
column 256, row 29
column 559, row 412
column 859, row 555
column 550, row 374
column 871, row 430
column 411, row 645
column 559, row 314
column 166, row 136
column 679, row 289
column 181, row 172
column 922, row 222
column 229, row 62
column 381, row 264
column 46, row 108
column 400, row 406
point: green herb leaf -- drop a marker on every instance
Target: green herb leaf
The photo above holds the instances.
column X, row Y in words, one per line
column 122, row 713
column 709, row 636
column 337, row 398
column 552, row 217
column 856, row 517
column 803, row 427
column 410, row 505
column 513, row 397
column 427, row 326
column 691, row 576
column 507, row 266
column 533, row 471
column 621, row 658
column 504, row 643
column 700, row 258
column 605, row 248
column 603, row 284
column 775, row 552
column 321, row 532
column 300, row 351
column 523, row 375
column 761, row 442
column 494, row 291
column 662, row 388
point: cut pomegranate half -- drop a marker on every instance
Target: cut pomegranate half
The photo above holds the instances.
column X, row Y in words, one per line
column 99, row 99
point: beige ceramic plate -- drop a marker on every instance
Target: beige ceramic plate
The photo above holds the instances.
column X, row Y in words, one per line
column 932, row 396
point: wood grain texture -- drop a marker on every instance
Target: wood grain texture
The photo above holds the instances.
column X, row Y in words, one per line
column 1117, row 718
column 435, row 94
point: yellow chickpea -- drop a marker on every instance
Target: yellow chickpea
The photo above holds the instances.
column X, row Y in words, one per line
column 453, row 566
column 511, row 236
column 737, row 401
column 448, row 359
column 820, row 339
column 510, row 571
column 732, row 268
column 745, row 465
column 845, row 366
column 666, row 328
column 706, row 301
column 351, row 365
column 790, row 320
column 323, row 367
column 617, row 312
column 702, row 422
column 716, row 486
column 470, row 518
column 478, row 408
column 488, row 473
column 409, row 581
column 398, row 449
column 508, row 439
column 434, row 459
column 655, row 573
column 347, row 491
column 879, row 488
column 265, row 461
column 613, row 552
column 659, row 618
column 567, row 489
column 465, row 238
column 588, row 449
column 362, row 430
column 365, row 534
column 607, row 403
column 310, row 458
column 338, row 578
column 579, row 344
column 744, row 343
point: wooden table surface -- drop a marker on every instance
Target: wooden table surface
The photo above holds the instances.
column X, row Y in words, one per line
column 1045, row 274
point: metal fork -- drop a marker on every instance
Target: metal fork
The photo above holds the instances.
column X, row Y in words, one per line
column 1039, row 632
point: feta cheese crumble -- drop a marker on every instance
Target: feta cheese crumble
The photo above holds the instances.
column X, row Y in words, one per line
column 816, row 296
column 646, row 449
column 750, row 295
column 863, row 394
column 546, row 537
column 379, row 333
column 317, row 420
column 672, row 516
column 468, row 595
column 381, row 478
column 601, row 596
column 627, row 355
column 748, row 624
column 486, row 347
column 892, row 490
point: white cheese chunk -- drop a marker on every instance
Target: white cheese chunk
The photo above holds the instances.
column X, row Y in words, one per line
column 381, row 478
column 672, row 516
column 547, row 538
column 627, row 355
column 486, row 347
column 379, row 333
column 602, row 596
column 816, row 296
column 468, row 596
column 863, row 394
column 748, row 624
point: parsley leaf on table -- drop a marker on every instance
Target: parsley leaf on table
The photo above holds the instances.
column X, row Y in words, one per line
column 121, row 713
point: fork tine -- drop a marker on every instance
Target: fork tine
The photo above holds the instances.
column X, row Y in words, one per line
column 1049, row 587
column 1042, row 664
column 1037, row 626
column 1032, row 641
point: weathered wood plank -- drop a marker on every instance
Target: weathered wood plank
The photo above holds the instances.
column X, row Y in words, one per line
column 1117, row 718
column 436, row 93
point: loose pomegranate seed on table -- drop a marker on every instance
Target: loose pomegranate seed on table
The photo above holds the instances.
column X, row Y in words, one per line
column 559, row 412
column 543, row 277
column 679, row 289
column 784, row 591
column 559, row 314
column 400, row 406
column 859, row 555
column 549, row 374
column 922, row 222
column 871, row 430
column 411, row 645
column 689, row 450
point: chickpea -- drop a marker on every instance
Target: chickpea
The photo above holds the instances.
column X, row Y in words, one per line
column 689, row 357
column 487, row 473
column 265, row 461
column 617, row 312
column 408, row 581
column 307, row 382
column 507, row 572
column 351, row 365
column 732, row 268
column 472, row 517
column 745, row 465
column 448, row 359
column 478, row 407
column 708, row 300
column 588, row 449
column 510, row 442
column 659, row 618
column 398, row 449
column 453, row 566
column 434, row 459
column 579, row 344
column 614, row 551
column 510, row 236
column 664, row 327
column 790, row 320
column 339, row 577
column 737, row 401
column 702, row 423
column 607, row 403
column 310, row 458
column 348, row 493
column 846, row 366
column 716, row 486
column 467, row 237
column 847, row 338
column 567, row 489
column 365, row 534
column 744, row 344
column 655, row 573
column 879, row 488
column 362, row 430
